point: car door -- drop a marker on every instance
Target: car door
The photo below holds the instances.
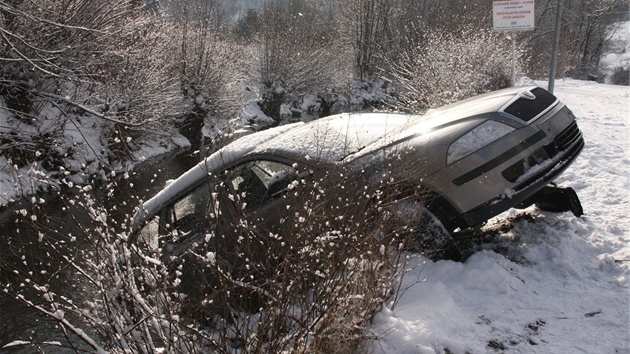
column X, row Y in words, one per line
column 241, row 205
column 204, row 212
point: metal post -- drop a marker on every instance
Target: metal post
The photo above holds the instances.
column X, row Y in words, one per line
column 513, row 58
column 554, row 51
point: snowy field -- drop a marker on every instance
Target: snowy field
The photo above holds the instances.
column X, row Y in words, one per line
column 554, row 284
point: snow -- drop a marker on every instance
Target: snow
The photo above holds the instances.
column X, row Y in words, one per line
column 553, row 284
column 329, row 138
column 15, row 343
column 81, row 143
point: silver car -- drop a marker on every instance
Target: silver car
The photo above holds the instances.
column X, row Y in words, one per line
column 464, row 163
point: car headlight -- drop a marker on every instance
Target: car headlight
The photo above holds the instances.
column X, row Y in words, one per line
column 482, row 135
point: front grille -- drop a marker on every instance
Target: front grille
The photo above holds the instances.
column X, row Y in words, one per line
column 568, row 137
column 563, row 141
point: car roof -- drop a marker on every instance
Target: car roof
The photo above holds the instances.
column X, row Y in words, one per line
column 332, row 138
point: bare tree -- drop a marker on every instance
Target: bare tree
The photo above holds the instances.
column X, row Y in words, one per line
column 297, row 52
column 79, row 57
column 366, row 26
column 586, row 29
column 590, row 23
column 208, row 63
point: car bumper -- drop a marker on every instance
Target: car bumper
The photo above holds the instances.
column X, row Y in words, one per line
column 520, row 195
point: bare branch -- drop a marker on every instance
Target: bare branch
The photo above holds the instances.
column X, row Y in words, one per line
column 90, row 111
column 12, row 10
column 26, row 58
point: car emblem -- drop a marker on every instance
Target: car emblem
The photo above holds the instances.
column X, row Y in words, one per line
column 526, row 94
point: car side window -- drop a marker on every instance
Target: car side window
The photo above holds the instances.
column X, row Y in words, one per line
column 206, row 208
column 193, row 214
column 257, row 182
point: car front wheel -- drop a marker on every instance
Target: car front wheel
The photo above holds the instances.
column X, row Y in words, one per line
column 422, row 231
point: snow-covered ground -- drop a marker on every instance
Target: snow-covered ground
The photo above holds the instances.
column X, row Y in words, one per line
column 554, row 284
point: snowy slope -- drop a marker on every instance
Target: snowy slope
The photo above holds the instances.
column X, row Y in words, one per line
column 554, row 284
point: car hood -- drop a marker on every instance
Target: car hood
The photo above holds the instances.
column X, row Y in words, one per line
column 461, row 116
column 485, row 103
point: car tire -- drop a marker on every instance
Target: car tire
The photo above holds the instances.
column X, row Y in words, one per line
column 434, row 239
column 422, row 231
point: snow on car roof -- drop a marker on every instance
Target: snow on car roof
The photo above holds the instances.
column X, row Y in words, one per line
column 332, row 138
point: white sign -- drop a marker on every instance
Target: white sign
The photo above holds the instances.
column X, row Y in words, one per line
column 513, row 15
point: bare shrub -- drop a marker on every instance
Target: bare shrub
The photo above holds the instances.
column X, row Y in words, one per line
column 300, row 291
column 448, row 67
column 621, row 76
column 296, row 52
column 77, row 68
column 317, row 282
column 103, row 295
column 313, row 287
column 76, row 46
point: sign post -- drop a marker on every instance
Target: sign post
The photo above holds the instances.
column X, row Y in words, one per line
column 512, row 16
column 554, row 50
